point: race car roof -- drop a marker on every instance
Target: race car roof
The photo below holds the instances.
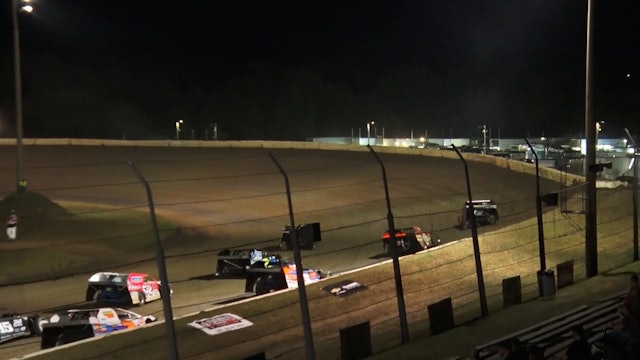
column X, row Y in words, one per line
column 110, row 277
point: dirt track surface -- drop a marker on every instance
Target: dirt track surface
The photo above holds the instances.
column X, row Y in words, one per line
column 237, row 197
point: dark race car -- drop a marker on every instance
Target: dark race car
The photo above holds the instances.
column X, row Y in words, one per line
column 275, row 274
column 74, row 325
column 123, row 288
column 484, row 211
column 236, row 262
column 14, row 326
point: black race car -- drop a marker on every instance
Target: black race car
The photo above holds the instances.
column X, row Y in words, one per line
column 485, row 212
column 14, row 326
column 236, row 262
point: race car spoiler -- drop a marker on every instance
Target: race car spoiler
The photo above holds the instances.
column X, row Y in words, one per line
column 236, row 262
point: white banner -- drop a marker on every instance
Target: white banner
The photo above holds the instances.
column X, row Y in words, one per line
column 220, row 323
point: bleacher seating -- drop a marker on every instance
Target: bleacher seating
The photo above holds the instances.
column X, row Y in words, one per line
column 554, row 335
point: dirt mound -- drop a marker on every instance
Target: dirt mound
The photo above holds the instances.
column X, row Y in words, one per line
column 31, row 205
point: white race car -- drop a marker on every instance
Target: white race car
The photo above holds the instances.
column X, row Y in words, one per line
column 74, row 325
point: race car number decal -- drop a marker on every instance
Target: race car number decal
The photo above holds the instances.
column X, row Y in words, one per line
column 5, row 327
column 147, row 289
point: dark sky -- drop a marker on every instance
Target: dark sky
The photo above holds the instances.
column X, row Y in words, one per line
column 290, row 70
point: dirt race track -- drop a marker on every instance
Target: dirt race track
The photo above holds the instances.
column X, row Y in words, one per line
column 237, row 197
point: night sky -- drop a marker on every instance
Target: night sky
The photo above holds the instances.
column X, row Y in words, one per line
column 287, row 70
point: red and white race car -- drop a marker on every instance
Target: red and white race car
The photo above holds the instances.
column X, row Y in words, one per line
column 123, row 288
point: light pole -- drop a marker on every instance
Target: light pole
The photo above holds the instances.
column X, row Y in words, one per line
column 178, row 128
column 591, row 227
column 635, row 194
column 369, row 132
column 18, row 82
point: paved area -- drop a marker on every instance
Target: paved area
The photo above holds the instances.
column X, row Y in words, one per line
column 460, row 341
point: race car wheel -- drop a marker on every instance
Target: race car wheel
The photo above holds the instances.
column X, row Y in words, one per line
column 60, row 340
column 492, row 219
column 99, row 298
column 124, row 299
column 141, row 299
column 170, row 291
column 284, row 246
column 35, row 325
column 41, row 323
column 264, row 285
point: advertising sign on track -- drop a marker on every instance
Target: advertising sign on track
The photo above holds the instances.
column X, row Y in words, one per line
column 344, row 288
column 220, row 323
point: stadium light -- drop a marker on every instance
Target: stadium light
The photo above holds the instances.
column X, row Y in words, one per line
column 369, row 131
column 178, row 123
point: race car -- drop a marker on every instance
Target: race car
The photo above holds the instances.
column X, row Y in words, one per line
column 74, row 325
column 277, row 275
column 410, row 240
column 236, row 262
column 484, row 211
column 14, row 326
column 123, row 288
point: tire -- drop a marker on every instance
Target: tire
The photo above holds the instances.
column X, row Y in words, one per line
column 99, row 298
column 141, row 299
column 284, row 246
column 257, row 286
column 35, row 325
column 492, row 220
column 60, row 340
column 263, row 286
column 170, row 291
column 125, row 298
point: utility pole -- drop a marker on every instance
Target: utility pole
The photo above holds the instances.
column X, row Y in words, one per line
column 635, row 195
column 393, row 248
column 18, row 90
column 543, row 257
column 591, row 229
column 484, row 308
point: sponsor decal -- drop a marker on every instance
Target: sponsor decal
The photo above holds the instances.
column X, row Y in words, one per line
column 344, row 288
column 220, row 323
